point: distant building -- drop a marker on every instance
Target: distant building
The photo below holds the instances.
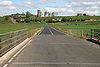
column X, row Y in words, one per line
column 19, row 17
column 15, row 16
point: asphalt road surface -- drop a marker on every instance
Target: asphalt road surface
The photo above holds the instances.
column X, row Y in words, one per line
column 52, row 48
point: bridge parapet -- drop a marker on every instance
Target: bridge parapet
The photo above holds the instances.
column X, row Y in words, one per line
column 11, row 39
column 95, row 34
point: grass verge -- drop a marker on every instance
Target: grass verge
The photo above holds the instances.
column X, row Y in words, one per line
column 82, row 30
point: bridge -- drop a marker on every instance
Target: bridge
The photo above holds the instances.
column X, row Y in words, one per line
column 51, row 48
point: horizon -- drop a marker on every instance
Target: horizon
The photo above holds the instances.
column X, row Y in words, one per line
column 62, row 7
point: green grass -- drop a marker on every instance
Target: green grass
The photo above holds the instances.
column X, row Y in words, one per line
column 82, row 17
column 4, row 28
column 5, row 20
column 76, row 29
column 8, row 27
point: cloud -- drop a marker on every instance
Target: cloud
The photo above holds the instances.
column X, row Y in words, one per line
column 66, row 7
column 28, row 4
column 6, row 6
column 78, row 6
column 60, row 11
column 47, row 1
column 43, row 1
column 6, row 3
column 85, row 6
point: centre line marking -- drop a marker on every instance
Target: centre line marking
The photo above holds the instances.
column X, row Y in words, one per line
column 50, row 31
column 54, row 63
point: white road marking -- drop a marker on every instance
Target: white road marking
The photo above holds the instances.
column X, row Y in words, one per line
column 85, row 63
column 16, row 55
column 40, row 63
column 5, row 65
column 54, row 63
column 50, row 31
column 40, row 31
column 10, row 60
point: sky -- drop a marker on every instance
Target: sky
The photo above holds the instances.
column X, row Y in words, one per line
column 62, row 7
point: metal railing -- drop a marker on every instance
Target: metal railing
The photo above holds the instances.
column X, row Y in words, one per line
column 78, row 32
column 12, row 39
column 95, row 34
column 88, row 33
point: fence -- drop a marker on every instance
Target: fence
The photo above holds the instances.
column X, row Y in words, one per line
column 10, row 40
column 78, row 32
column 89, row 34
column 95, row 34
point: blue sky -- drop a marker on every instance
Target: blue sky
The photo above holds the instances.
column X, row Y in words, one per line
column 62, row 7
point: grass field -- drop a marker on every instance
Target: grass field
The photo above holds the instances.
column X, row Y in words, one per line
column 81, row 29
column 6, row 25
column 77, row 29
column 4, row 28
column 74, row 28
column 8, row 34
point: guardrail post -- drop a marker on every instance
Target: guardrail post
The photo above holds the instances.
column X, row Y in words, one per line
column 11, row 40
column 0, row 44
column 82, row 33
column 91, row 33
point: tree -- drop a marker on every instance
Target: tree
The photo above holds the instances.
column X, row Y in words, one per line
column 18, row 20
column 45, row 13
column 6, row 17
column 40, row 13
column 27, row 20
column 84, row 14
column 53, row 13
column 63, row 19
column 28, row 14
column 78, row 14
column 49, row 14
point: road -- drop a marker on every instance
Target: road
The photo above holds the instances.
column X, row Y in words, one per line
column 52, row 48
